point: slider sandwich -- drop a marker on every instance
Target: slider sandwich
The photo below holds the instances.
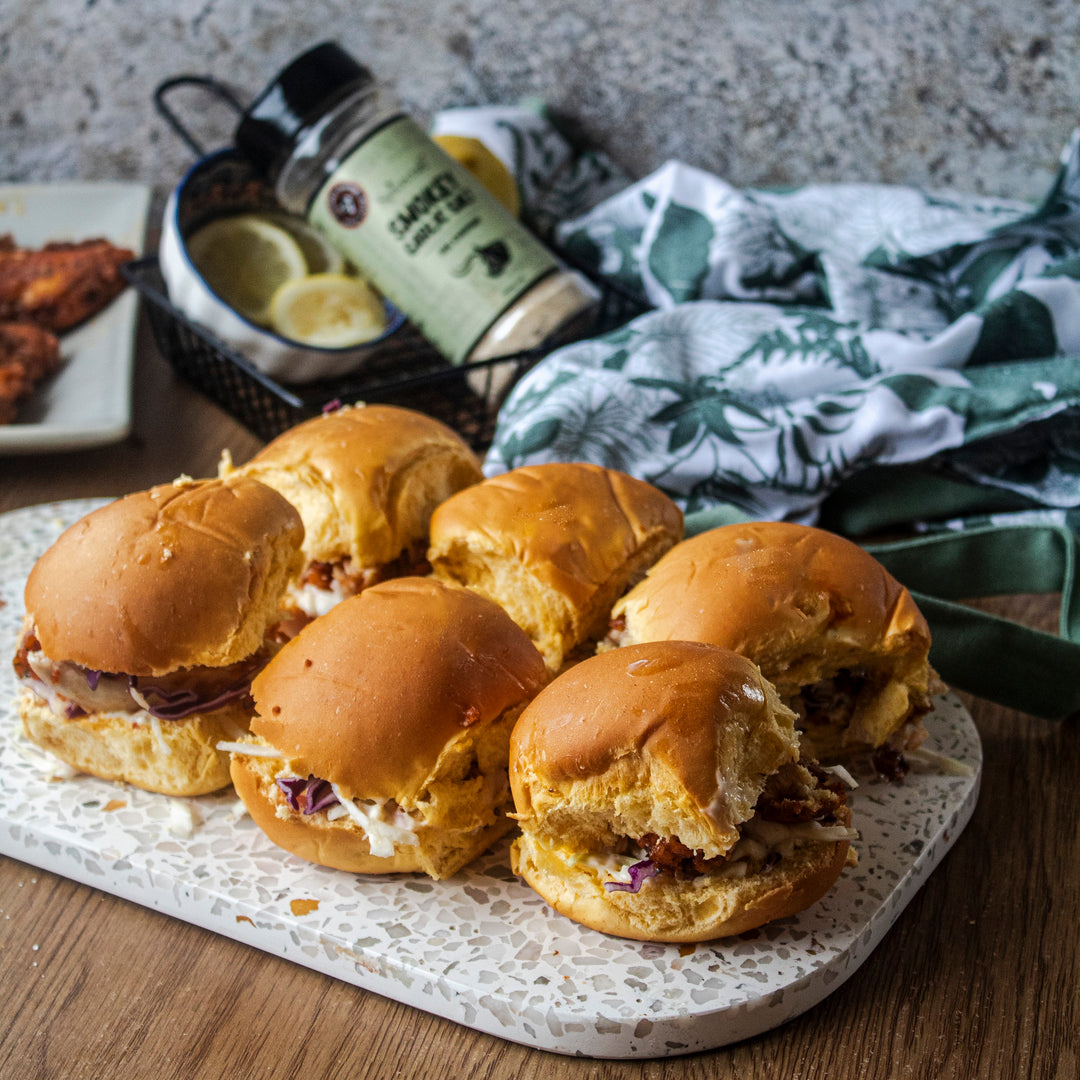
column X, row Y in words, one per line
column 839, row 637
column 365, row 480
column 662, row 796
column 145, row 624
column 554, row 545
column 381, row 738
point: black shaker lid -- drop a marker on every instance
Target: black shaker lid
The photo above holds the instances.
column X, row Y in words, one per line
column 299, row 94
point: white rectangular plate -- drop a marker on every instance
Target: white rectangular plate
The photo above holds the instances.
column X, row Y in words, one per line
column 88, row 403
column 481, row 949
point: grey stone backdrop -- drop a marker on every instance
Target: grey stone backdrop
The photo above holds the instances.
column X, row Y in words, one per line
column 979, row 95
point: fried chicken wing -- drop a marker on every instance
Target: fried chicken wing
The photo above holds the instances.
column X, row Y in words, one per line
column 28, row 354
column 61, row 284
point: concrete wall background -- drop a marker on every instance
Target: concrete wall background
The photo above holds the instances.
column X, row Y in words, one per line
column 979, row 95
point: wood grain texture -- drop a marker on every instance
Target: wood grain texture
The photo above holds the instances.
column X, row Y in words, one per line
column 978, row 978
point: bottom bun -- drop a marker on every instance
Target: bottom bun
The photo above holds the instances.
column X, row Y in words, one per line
column 173, row 757
column 669, row 909
column 439, row 851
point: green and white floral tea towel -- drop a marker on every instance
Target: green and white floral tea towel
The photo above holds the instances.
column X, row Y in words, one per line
column 793, row 340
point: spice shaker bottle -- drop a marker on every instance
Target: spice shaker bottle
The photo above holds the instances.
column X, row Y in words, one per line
column 339, row 150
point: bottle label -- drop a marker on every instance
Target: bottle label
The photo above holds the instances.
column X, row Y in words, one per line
column 429, row 236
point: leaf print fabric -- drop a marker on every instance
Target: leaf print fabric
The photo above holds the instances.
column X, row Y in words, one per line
column 796, row 338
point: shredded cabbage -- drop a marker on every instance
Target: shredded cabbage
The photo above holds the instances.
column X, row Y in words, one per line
column 313, row 794
column 251, row 749
column 159, row 738
column 178, row 704
column 318, row 794
column 639, row 873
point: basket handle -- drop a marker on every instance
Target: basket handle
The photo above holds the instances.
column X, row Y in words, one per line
column 170, row 117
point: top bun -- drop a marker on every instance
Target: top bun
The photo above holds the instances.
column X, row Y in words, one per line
column 554, row 545
column 672, row 738
column 375, row 694
column 186, row 574
column 805, row 605
column 365, row 480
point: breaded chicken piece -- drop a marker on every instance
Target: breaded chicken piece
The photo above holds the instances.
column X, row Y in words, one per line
column 28, row 354
column 61, row 284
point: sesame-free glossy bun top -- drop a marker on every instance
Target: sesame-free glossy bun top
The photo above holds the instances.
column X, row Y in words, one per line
column 366, row 479
column 573, row 523
column 769, row 589
column 805, row 605
column 554, row 545
column 370, row 695
column 182, row 575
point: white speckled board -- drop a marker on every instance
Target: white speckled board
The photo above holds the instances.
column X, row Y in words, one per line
column 481, row 949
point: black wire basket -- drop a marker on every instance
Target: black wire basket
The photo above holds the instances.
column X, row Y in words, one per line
column 401, row 369
column 405, row 370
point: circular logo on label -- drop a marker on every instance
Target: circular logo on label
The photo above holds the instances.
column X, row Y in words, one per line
column 348, row 204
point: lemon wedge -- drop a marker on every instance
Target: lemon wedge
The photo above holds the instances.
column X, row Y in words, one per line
column 321, row 256
column 246, row 259
column 485, row 166
column 330, row 311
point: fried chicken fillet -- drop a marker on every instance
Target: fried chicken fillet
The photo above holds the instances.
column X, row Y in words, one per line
column 28, row 354
column 61, row 284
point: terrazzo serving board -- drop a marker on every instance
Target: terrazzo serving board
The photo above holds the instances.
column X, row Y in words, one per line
column 480, row 949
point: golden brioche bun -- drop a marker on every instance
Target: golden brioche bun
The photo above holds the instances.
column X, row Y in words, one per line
column 174, row 757
column 365, row 479
column 403, row 697
column 440, row 850
column 186, row 574
column 679, row 911
column 676, row 739
column 554, row 545
column 802, row 603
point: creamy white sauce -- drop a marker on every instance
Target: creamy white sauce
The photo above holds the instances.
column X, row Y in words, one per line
column 184, row 819
column 43, row 686
column 383, row 836
column 610, row 866
column 314, row 601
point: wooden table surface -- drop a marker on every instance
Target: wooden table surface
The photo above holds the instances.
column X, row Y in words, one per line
column 977, row 978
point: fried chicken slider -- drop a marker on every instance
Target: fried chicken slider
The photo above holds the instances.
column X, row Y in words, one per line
column 145, row 623
column 381, row 738
column 840, row 638
column 661, row 796
column 365, row 480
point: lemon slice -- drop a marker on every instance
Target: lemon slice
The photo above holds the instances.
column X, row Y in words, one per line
column 321, row 256
column 245, row 259
column 331, row 311
column 485, row 166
